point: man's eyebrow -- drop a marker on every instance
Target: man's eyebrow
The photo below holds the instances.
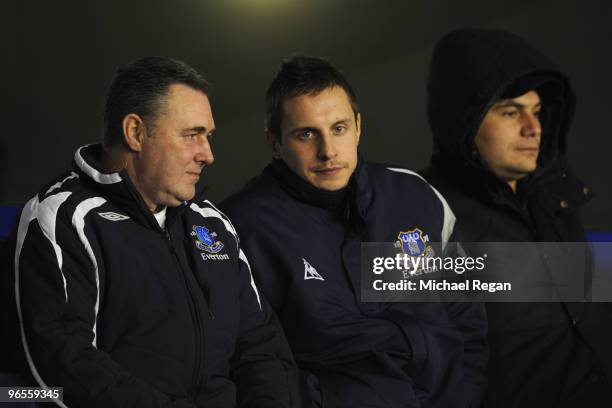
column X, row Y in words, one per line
column 302, row 129
column 513, row 104
column 197, row 129
column 343, row 121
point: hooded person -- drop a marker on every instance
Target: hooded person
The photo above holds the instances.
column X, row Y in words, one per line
column 500, row 112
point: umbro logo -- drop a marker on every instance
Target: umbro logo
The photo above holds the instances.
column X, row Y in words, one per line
column 310, row 272
column 112, row 216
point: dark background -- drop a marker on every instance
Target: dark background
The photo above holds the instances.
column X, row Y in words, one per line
column 60, row 56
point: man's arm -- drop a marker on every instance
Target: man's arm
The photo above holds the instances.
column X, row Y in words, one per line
column 262, row 366
column 469, row 318
column 57, row 299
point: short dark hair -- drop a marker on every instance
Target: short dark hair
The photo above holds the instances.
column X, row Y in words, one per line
column 140, row 87
column 302, row 75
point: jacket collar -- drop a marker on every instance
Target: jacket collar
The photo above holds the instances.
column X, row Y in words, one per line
column 304, row 191
column 117, row 187
column 355, row 198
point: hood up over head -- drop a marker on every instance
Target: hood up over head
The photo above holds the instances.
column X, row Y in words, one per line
column 473, row 68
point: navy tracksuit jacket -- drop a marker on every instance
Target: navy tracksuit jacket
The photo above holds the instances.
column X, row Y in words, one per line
column 122, row 313
column 304, row 247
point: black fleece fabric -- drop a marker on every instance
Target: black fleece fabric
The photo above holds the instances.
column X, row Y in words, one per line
column 542, row 354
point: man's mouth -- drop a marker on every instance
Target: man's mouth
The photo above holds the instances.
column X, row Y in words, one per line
column 328, row 171
column 528, row 150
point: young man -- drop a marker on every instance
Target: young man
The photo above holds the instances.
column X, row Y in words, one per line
column 302, row 222
column 132, row 290
column 500, row 113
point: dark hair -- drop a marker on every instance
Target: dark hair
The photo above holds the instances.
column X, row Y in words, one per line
column 301, row 75
column 140, row 88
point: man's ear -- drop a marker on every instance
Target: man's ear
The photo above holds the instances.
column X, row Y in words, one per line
column 133, row 131
column 358, row 123
column 274, row 142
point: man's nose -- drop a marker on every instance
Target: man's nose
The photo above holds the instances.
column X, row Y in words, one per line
column 531, row 125
column 204, row 154
column 327, row 149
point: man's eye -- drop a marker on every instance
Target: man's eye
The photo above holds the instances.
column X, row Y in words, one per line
column 210, row 136
column 306, row 134
column 510, row 113
column 537, row 114
column 339, row 129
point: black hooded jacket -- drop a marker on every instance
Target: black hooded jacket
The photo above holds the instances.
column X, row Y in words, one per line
column 542, row 354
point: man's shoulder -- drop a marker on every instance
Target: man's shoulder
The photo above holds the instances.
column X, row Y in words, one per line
column 452, row 189
column 559, row 185
column 206, row 210
column 259, row 194
column 68, row 191
column 66, row 182
column 399, row 180
column 60, row 209
column 381, row 172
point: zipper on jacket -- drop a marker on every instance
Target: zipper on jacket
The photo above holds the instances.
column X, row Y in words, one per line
column 207, row 296
column 197, row 371
column 211, row 316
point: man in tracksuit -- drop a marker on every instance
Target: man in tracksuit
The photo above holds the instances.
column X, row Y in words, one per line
column 132, row 290
column 500, row 113
column 302, row 222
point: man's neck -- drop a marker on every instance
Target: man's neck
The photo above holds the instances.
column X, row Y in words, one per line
column 512, row 184
column 305, row 191
column 113, row 160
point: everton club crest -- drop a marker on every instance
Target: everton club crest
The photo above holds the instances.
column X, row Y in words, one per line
column 205, row 240
column 414, row 243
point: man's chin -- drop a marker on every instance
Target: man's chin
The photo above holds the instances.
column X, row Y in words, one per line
column 524, row 171
column 179, row 199
column 516, row 174
column 331, row 185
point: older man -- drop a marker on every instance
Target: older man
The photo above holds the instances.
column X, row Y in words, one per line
column 132, row 290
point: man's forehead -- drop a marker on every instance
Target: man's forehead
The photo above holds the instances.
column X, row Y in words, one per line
column 183, row 101
column 529, row 98
column 178, row 92
column 329, row 99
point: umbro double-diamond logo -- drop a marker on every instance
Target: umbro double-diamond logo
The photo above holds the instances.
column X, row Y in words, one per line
column 113, row 216
column 310, row 272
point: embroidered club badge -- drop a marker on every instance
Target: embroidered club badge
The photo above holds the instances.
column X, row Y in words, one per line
column 205, row 240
